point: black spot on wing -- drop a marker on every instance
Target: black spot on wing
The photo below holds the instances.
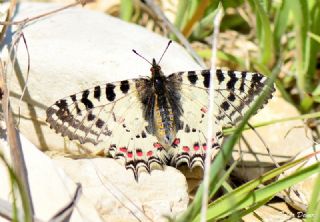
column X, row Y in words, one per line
column 124, row 86
column 219, row 134
column 91, row 116
column 74, row 99
column 220, row 75
column 256, row 81
column 86, row 102
column 205, row 72
column 143, row 134
column 243, row 78
column 225, row 105
column 192, row 77
column 62, row 104
column 1, row 94
column 110, row 92
column 97, row 92
column 99, row 123
column 63, row 113
column 232, row 81
column 231, row 97
column 256, row 78
column 206, row 80
column 187, row 129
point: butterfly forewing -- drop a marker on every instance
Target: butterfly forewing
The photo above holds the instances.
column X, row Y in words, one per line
column 110, row 114
column 234, row 91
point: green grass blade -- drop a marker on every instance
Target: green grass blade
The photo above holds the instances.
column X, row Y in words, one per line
column 253, row 207
column 314, row 36
column 314, row 202
column 182, row 10
column 264, row 35
column 126, row 10
column 313, row 46
column 299, row 9
column 16, row 183
column 246, row 196
column 280, row 25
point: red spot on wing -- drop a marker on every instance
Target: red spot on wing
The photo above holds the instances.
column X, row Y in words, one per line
column 204, row 146
column 176, row 141
column 157, row 146
column 149, row 153
column 196, row 147
column 204, row 109
column 121, row 120
column 139, row 153
column 123, row 149
column 185, row 148
column 129, row 154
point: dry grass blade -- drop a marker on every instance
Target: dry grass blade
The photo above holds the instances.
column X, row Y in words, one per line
column 211, row 130
column 65, row 213
column 6, row 211
column 14, row 142
column 26, row 20
column 8, row 17
column 195, row 18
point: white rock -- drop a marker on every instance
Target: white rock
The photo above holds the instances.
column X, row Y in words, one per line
column 51, row 189
column 77, row 49
column 74, row 50
column 118, row 197
column 299, row 195
column 273, row 212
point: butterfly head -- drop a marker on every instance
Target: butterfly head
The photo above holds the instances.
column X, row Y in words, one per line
column 155, row 68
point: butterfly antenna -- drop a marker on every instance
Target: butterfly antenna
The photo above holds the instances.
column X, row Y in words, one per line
column 141, row 56
column 164, row 51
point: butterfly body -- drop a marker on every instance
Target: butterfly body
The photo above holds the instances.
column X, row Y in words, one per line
column 160, row 101
column 150, row 122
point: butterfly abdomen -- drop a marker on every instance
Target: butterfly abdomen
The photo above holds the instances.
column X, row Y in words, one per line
column 165, row 129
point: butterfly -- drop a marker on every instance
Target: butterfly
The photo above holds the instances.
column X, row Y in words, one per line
column 149, row 122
